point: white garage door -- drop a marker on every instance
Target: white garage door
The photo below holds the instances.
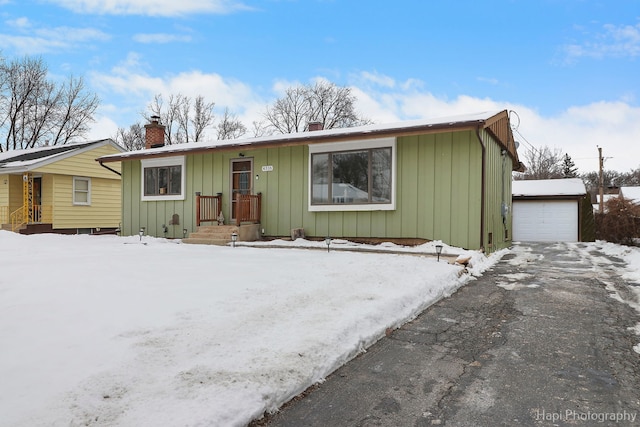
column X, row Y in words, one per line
column 545, row 221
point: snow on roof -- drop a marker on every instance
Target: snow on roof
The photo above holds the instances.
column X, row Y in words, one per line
column 605, row 197
column 301, row 136
column 631, row 193
column 15, row 159
column 549, row 187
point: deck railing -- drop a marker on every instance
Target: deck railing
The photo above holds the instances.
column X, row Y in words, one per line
column 248, row 208
column 208, row 208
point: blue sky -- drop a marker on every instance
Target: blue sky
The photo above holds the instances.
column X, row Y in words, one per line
column 569, row 68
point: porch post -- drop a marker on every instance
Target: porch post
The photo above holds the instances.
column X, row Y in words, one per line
column 197, row 209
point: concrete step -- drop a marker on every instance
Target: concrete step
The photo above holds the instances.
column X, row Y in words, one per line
column 212, row 235
column 206, row 241
column 7, row 227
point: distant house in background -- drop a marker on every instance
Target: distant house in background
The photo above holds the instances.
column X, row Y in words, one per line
column 60, row 189
column 631, row 193
column 445, row 179
column 552, row 210
column 605, row 199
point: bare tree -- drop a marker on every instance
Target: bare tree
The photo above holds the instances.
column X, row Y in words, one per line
column 542, row 163
column 261, row 128
column 331, row 105
column 35, row 111
column 230, row 127
column 292, row 112
column 202, row 117
column 131, row 139
column 185, row 120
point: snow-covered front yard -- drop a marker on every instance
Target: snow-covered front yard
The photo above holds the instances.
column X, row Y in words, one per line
column 109, row 331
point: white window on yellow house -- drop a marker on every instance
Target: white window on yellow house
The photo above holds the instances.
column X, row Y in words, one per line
column 81, row 191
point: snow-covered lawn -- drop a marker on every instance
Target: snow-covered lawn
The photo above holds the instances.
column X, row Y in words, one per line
column 109, row 331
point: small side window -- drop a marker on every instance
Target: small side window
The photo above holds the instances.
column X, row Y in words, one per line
column 81, row 191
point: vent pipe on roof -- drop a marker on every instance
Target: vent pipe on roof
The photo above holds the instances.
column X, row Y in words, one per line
column 154, row 133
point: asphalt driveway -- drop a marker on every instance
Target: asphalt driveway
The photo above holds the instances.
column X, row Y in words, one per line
column 541, row 339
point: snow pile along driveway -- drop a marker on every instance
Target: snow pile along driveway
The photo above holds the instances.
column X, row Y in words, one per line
column 109, row 331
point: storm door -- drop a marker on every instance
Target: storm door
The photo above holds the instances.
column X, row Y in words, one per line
column 241, row 182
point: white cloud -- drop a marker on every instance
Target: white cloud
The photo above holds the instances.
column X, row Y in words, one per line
column 613, row 125
column 129, row 86
column 151, row 7
column 161, row 38
column 611, row 41
column 32, row 39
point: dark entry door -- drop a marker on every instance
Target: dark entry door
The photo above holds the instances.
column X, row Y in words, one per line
column 241, row 182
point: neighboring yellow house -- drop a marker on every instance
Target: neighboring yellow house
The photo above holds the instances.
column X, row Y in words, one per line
column 60, row 189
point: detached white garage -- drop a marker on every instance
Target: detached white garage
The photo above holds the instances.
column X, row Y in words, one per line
column 547, row 210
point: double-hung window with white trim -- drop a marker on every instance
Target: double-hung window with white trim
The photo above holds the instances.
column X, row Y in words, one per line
column 163, row 179
column 81, row 191
column 353, row 176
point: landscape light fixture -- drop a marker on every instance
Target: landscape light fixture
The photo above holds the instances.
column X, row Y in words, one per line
column 141, row 233
column 327, row 241
column 234, row 239
column 184, row 233
column 438, row 251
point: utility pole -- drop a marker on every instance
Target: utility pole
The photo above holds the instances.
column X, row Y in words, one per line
column 601, row 185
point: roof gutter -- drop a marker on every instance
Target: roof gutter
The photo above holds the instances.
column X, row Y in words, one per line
column 107, row 167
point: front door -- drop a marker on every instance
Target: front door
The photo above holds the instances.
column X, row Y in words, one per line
column 241, row 182
column 37, row 199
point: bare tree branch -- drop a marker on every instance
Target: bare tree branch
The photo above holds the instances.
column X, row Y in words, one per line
column 331, row 105
column 230, row 127
column 35, row 111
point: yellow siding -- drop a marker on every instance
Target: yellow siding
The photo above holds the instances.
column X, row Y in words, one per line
column 4, row 199
column 104, row 210
column 47, row 190
column 15, row 192
column 84, row 164
column 4, row 190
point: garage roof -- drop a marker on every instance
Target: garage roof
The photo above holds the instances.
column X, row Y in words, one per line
column 548, row 187
column 631, row 193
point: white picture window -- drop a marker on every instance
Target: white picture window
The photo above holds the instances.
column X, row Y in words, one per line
column 163, row 179
column 81, row 191
column 352, row 176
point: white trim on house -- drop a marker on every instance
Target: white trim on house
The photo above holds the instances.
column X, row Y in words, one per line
column 160, row 162
column 333, row 147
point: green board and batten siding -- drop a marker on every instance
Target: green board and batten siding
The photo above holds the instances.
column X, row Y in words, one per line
column 438, row 193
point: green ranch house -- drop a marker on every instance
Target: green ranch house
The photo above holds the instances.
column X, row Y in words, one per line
column 444, row 179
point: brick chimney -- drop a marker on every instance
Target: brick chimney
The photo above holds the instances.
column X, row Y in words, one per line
column 154, row 133
column 314, row 126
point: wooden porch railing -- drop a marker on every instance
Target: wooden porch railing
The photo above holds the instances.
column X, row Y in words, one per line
column 17, row 219
column 208, row 208
column 248, row 208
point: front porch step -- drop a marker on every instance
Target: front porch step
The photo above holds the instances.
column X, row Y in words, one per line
column 212, row 235
column 7, row 227
column 204, row 241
